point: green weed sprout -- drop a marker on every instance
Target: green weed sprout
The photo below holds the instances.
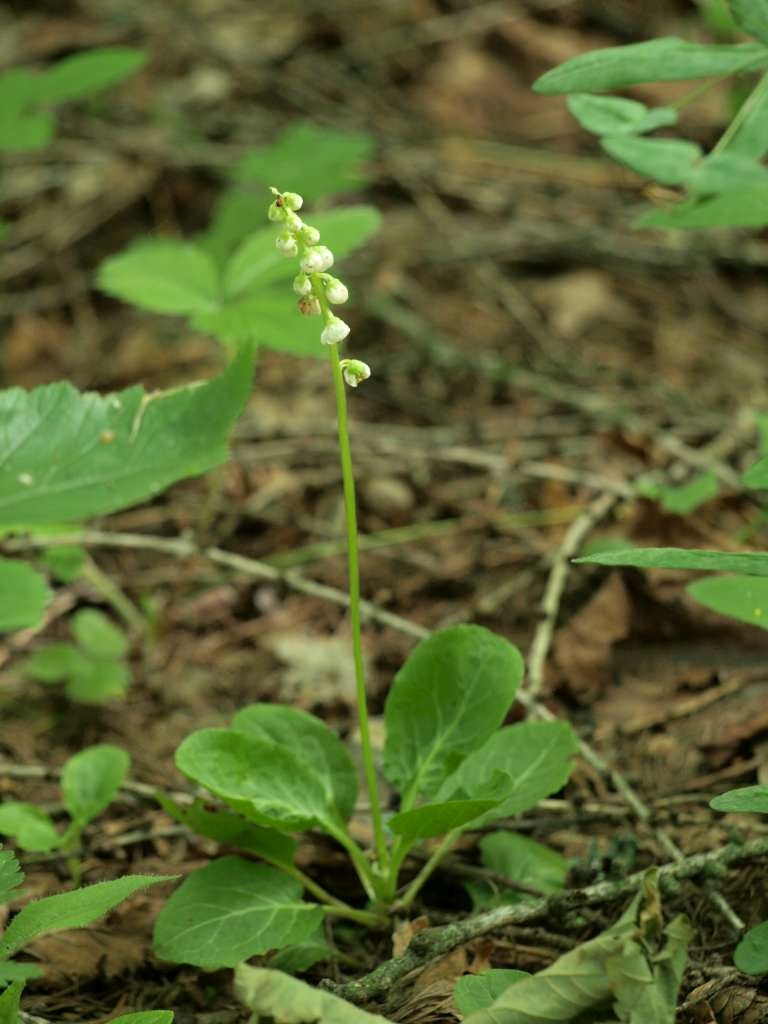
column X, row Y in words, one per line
column 280, row 771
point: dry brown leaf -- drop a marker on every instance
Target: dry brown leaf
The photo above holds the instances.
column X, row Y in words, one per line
column 404, row 932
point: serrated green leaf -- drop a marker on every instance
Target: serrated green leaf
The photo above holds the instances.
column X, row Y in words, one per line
column 65, row 562
column 29, row 825
column 518, row 766
column 11, row 875
column 740, row 597
column 84, row 74
column 751, row 954
column 313, row 743
column 163, row 276
column 257, row 262
column 452, row 692
column 23, row 595
column 262, row 781
column 478, row 991
column 615, row 115
column 658, row 60
column 743, row 209
column 311, row 160
column 519, row 859
column 269, row 318
column 752, row 16
column 751, row 799
column 72, row 909
column 98, row 635
column 437, row 819
column 112, row 451
column 144, row 1017
column 748, row 563
column 90, row 780
column 232, row 830
column 9, row 1003
column 98, row 680
column 272, row 994
column 230, row 910
column 669, row 161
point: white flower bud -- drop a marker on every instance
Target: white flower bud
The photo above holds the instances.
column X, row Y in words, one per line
column 287, row 244
column 293, row 200
column 302, row 285
column 334, row 331
column 293, row 221
column 309, row 235
column 317, row 259
column 336, row 291
column 355, row 371
column 309, row 305
column 275, row 212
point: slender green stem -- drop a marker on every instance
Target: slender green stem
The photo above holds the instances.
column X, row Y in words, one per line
column 353, row 563
column 124, row 607
column 410, row 893
column 336, row 906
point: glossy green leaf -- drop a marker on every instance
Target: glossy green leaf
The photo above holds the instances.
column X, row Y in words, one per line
column 741, row 597
column 162, row 276
column 264, row 782
column 232, row 830
column 437, row 819
column 11, row 875
column 748, row 563
column 658, row 60
column 309, row 159
column 478, row 991
column 681, row 499
column 144, row 1017
column 752, row 17
column 752, row 799
column 9, row 1003
column 615, row 115
column 98, row 635
column 274, row 995
column 751, row 954
column 518, row 766
column 23, row 595
column 669, row 161
column 90, row 780
column 84, row 74
column 747, row 208
column 269, row 318
column 230, row 910
column 29, row 825
column 74, row 909
column 257, row 262
column 313, row 743
column 725, row 172
column 453, row 691
column 65, row 562
column 519, row 859
column 112, row 451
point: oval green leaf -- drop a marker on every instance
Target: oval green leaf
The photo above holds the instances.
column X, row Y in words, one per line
column 479, row 991
column 98, row 635
column 452, row 692
column 23, row 595
column 30, row 826
column 437, row 819
column 162, row 276
column 669, row 161
column 753, row 799
column 614, row 115
column 751, row 955
column 748, row 563
column 231, row 910
column 90, row 780
column 740, row 597
column 752, row 17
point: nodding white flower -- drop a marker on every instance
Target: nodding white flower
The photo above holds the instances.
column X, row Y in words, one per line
column 334, row 331
column 293, row 200
column 287, row 244
column 335, row 291
column 302, row 285
column 309, row 305
column 317, row 259
column 293, row 221
column 309, row 235
column 355, row 371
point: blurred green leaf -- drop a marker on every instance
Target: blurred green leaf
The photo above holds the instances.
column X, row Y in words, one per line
column 88, row 72
column 162, row 276
column 23, row 595
column 751, row 955
column 740, row 597
column 615, row 115
column 669, row 161
column 96, row 634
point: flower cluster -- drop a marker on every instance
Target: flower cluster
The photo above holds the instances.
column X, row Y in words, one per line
column 317, row 290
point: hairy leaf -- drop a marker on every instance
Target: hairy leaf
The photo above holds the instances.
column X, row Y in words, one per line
column 452, row 692
column 313, row 743
column 11, row 875
column 658, row 60
column 112, row 451
column 272, row 994
column 91, row 779
column 230, row 910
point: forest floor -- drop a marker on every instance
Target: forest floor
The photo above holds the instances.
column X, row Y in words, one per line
column 532, row 356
